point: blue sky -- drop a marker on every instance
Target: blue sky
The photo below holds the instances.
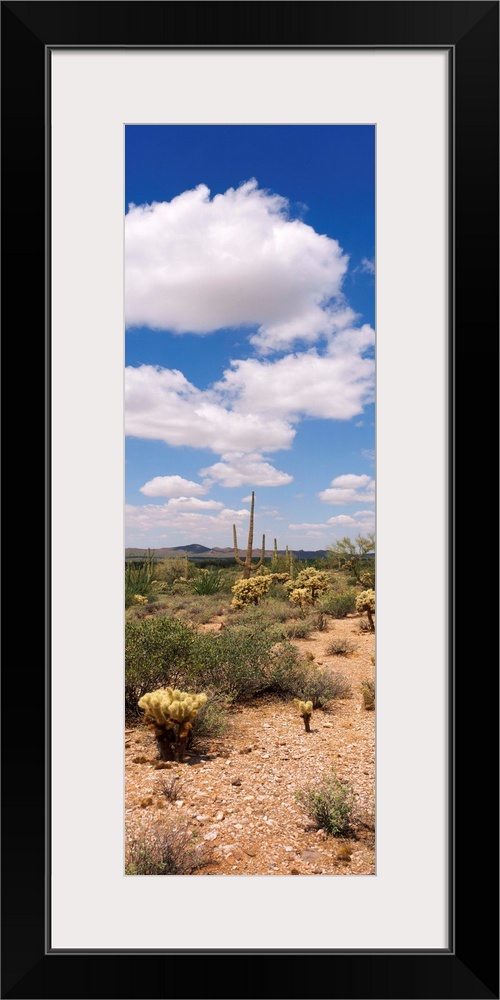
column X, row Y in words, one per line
column 250, row 333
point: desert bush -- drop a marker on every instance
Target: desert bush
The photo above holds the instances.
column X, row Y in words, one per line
column 365, row 603
column 299, row 629
column 288, row 674
column 158, row 651
column 165, row 849
column 208, row 581
column 341, row 647
column 168, row 570
column 233, row 661
column 339, row 605
column 139, row 578
column 212, row 718
column 320, row 686
column 169, row 787
column 331, row 804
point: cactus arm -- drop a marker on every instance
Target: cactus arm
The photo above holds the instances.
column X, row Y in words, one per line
column 241, row 562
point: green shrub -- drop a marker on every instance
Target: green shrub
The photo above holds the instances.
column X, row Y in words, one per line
column 212, row 719
column 158, row 651
column 165, row 849
column 320, row 686
column 339, row 605
column 209, row 581
column 139, row 578
column 289, row 675
column 233, row 661
column 298, row 630
column 331, row 804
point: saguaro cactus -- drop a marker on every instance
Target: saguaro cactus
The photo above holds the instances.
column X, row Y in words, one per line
column 247, row 562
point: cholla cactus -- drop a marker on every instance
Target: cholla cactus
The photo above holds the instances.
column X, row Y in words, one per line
column 312, row 580
column 171, row 714
column 250, row 591
column 300, row 596
column 365, row 602
column 368, row 692
column 305, row 708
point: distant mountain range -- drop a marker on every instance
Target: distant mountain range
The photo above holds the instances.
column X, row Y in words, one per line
column 203, row 551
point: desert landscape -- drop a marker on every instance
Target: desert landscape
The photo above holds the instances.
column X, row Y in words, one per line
column 256, row 798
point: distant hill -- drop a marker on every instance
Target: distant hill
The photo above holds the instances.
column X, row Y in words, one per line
column 195, row 549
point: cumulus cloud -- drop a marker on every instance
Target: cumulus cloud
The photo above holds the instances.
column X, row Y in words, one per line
column 161, row 404
column 172, row 486
column 336, row 385
column 192, row 503
column 198, row 264
column 362, row 520
column 184, row 524
column 349, row 489
column 237, row 468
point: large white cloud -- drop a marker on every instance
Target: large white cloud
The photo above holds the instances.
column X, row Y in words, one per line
column 336, row 385
column 161, row 404
column 349, row 489
column 197, row 264
column 172, row 486
column 238, row 469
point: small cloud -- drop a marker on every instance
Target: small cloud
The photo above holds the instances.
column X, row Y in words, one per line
column 367, row 266
column 237, row 468
column 349, row 489
column 172, row 486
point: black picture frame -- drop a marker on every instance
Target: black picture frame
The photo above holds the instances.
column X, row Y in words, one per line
column 469, row 968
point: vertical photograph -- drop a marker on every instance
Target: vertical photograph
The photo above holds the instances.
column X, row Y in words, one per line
column 249, row 522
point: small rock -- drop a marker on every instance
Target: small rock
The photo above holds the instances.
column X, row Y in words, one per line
column 201, row 818
column 236, row 781
column 179, row 802
column 163, row 765
column 288, row 848
column 211, row 835
column 321, row 835
column 328, row 725
column 294, row 871
column 246, row 750
column 308, row 855
column 266, row 725
column 219, row 817
column 140, row 760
